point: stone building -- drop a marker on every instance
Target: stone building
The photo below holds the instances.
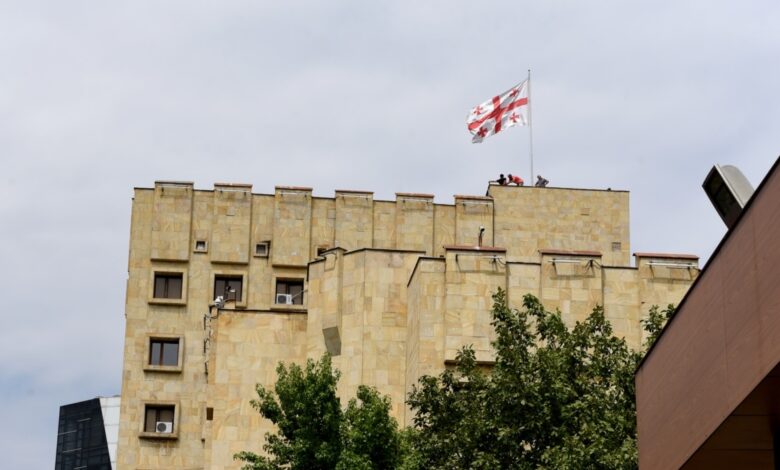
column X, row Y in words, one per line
column 392, row 289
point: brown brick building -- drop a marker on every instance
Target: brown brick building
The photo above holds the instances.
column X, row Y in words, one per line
column 708, row 392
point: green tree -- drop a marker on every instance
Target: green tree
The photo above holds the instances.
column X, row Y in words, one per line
column 654, row 323
column 314, row 433
column 556, row 398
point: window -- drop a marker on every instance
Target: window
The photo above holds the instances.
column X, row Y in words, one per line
column 209, row 414
column 289, row 291
column 322, row 249
column 201, row 246
column 229, row 287
column 163, row 352
column 159, row 419
column 261, row 249
column 167, row 285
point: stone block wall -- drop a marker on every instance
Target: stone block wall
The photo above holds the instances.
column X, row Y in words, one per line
column 231, row 223
column 471, row 278
column 247, row 348
column 292, row 226
column 414, row 222
column 530, row 219
column 171, row 219
column 354, row 219
column 392, row 289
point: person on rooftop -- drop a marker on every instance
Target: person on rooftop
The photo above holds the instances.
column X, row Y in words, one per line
column 541, row 182
column 501, row 180
column 516, row 180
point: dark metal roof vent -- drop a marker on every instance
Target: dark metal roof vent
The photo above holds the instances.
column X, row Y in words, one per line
column 729, row 191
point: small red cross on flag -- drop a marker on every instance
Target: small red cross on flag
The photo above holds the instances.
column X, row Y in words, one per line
column 505, row 110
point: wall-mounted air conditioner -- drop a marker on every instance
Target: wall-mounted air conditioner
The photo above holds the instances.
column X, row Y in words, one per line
column 284, row 299
column 164, row 427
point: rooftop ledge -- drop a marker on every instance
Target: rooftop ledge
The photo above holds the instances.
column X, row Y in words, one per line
column 479, row 198
column 489, row 249
column 666, row 256
column 570, row 252
column 353, row 191
column 531, row 186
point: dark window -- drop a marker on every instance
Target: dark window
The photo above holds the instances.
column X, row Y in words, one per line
column 322, row 249
column 290, row 287
column 209, row 414
column 200, row 245
column 159, row 418
column 229, row 287
column 164, row 352
column 167, row 286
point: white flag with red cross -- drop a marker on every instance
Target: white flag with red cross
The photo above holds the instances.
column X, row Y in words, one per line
column 494, row 115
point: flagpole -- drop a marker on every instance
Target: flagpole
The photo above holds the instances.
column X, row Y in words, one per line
column 530, row 131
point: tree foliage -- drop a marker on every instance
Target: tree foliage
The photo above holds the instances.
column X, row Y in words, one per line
column 313, row 432
column 654, row 323
column 556, row 398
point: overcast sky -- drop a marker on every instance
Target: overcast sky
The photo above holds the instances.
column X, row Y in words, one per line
column 99, row 97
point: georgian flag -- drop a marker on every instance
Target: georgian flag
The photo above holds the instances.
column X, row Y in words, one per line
column 505, row 110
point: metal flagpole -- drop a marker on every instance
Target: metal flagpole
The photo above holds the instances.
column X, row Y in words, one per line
column 530, row 131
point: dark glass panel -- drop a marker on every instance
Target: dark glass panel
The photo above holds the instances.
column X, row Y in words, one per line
column 151, row 419
column 174, row 287
column 154, row 354
column 170, row 354
column 296, row 289
column 159, row 287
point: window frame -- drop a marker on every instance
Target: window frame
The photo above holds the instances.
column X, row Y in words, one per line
column 197, row 249
column 288, row 281
column 267, row 245
column 167, row 271
column 239, row 303
column 159, row 404
column 167, row 278
column 148, row 366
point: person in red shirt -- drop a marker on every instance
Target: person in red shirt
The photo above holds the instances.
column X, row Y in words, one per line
column 516, row 179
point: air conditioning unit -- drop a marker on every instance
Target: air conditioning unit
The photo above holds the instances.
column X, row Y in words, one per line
column 165, row 427
column 285, row 299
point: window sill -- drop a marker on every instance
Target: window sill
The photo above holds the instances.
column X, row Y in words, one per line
column 288, row 308
column 158, row 435
column 175, row 302
column 168, row 369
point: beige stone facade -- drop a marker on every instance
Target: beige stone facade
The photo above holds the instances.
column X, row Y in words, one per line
column 392, row 289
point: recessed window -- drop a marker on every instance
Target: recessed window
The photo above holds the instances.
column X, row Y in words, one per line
column 159, row 419
column 322, row 249
column 201, row 246
column 229, row 287
column 163, row 352
column 289, row 291
column 167, row 285
column 209, row 414
column 261, row 249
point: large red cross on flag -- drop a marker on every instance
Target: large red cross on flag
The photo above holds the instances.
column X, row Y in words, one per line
column 494, row 115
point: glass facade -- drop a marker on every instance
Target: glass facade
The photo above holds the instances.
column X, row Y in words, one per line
column 81, row 437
